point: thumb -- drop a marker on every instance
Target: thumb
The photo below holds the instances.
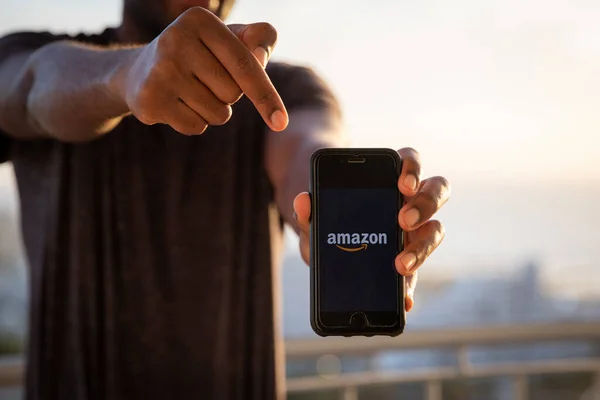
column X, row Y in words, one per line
column 302, row 211
column 260, row 38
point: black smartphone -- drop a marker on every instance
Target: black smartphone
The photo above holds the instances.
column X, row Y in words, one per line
column 355, row 238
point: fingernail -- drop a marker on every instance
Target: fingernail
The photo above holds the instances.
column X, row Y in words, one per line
column 410, row 181
column 278, row 120
column 412, row 216
column 261, row 55
column 408, row 260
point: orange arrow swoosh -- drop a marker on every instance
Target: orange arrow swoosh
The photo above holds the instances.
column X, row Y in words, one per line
column 362, row 247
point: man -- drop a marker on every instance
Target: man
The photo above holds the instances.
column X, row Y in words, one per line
column 153, row 248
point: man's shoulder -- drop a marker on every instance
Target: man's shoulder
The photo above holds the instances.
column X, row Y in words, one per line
column 35, row 39
column 300, row 86
column 283, row 71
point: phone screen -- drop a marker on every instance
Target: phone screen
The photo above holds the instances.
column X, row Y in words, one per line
column 358, row 244
column 357, row 238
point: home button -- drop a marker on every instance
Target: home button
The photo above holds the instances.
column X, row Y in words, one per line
column 358, row 320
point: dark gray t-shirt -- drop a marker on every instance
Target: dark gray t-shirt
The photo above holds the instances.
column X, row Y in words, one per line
column 153, row 255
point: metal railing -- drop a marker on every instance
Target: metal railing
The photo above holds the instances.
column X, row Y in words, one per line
column 461, row 340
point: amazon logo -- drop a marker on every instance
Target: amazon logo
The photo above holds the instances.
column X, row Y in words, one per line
column 353, row 242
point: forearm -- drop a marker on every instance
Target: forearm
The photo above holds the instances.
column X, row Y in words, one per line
column 297, row 179
column 312, row 131
column 64, row 90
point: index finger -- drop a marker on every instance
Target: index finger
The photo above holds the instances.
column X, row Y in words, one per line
column 247, row 72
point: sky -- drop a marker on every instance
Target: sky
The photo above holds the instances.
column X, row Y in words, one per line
column 491, row 92
column 486, row 90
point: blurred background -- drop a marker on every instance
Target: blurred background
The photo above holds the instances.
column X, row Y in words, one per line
column 500, row 96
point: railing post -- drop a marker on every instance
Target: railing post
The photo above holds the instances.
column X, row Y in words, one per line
column 521, row 387
column 464, row 364
column 350, row 393
column 433, row 390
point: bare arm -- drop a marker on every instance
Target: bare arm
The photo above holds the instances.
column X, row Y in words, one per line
column 61, row 90
column 187, row 78
column 288, row 153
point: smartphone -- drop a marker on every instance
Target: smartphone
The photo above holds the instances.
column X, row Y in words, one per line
column 355, row 238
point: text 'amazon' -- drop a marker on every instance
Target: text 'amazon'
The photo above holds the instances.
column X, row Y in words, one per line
column 356, row 238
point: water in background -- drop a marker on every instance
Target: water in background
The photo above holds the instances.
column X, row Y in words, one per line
column 512, row 254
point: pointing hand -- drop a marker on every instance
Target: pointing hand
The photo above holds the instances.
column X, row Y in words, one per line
column 192, row 73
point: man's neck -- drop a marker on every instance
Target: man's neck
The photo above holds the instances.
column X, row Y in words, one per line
column 135, row 31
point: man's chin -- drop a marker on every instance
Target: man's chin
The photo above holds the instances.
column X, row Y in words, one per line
column 180, row 6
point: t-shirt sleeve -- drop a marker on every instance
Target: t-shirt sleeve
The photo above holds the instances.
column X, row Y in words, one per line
column 11, row 45
column 23, row 41
column 300, row 87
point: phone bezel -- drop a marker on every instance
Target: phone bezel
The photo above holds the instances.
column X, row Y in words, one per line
column 349, row 175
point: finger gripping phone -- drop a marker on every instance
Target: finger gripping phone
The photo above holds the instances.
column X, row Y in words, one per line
column 355, row 238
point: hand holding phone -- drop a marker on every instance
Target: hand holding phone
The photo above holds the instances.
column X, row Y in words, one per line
column 422, row 199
